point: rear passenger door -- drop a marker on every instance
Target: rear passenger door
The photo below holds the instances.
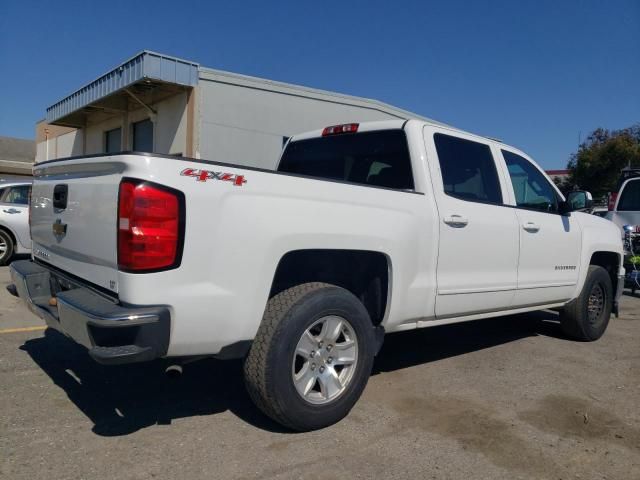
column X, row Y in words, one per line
column 478, row 236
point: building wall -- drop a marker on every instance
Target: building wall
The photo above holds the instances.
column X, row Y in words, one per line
column 170, row 125
column 226, row 117
column 16, row 156
column 94, row 133
column 66, row 145
column 170, row 133
column 244, row 125
column 61, row 142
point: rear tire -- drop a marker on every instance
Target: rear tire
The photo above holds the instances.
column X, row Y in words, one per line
column 312, row 356
column 6, row 248
column 586, row 318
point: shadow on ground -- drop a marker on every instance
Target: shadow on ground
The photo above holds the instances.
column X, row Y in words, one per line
column 120, row 400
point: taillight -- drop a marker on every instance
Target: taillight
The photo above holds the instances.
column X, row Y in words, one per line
column 150, row 226
column 338, row 129
column 612, row 200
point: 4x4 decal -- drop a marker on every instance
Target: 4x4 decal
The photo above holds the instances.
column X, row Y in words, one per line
column 204, row 175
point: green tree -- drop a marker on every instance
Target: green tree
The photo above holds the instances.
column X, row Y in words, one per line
column 596, row 165
column 565, row 185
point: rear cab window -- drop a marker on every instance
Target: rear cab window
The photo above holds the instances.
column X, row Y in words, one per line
column 630, row 197
column 378, row 158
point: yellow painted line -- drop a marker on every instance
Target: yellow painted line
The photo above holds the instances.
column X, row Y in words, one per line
column 23, row 329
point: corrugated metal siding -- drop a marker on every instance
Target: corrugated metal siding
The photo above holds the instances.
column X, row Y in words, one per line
column 147, row 64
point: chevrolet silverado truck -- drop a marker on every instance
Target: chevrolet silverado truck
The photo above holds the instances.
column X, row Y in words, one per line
column 364, row 229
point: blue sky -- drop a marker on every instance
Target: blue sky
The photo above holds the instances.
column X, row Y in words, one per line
column 536, row 74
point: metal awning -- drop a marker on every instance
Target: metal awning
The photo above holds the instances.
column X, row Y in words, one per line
column 148, row 77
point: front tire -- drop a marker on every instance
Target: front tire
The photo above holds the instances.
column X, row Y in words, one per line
column 312, row 356
column 586, row 318
column 6, row 248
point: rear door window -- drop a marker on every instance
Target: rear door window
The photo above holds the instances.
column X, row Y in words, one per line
column 630, row 197
column 379, row 158
column 18, row 195
column 468, row 169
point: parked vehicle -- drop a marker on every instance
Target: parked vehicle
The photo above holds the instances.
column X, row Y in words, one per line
column 624, row 211
column 365, row 229
column 624, row 203
column 14, row 220
column 600, row 211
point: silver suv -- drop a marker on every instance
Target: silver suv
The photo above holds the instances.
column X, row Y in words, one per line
column 14, row 220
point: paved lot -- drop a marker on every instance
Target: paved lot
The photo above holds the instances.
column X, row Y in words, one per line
column 505, row 398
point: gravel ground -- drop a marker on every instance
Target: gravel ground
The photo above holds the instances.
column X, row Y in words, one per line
column 502, row 398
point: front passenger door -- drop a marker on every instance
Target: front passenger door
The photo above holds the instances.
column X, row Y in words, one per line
column 550, row 243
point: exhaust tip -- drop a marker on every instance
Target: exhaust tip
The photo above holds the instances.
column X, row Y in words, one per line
column 173, row 371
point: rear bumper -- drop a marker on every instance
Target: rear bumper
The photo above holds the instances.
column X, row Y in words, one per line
column 113, row 333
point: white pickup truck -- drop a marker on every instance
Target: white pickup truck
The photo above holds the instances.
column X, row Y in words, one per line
column 363, row 230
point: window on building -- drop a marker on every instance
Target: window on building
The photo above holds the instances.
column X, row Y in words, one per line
column 531, row 187
column 379, row 158
column 143, row 136
column 468, row 170
column 18, row 195
column 113, row 141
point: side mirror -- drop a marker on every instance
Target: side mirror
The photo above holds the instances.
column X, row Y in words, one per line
column 579, row 200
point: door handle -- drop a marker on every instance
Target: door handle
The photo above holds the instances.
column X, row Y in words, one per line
column 457, row 221
column 11, row 210
column 531, row 227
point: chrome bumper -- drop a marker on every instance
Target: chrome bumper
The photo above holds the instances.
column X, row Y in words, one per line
column 113, row 333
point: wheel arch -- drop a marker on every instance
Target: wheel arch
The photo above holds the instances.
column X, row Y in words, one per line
column 11, row 233
column 365, row 273
column 610, row 261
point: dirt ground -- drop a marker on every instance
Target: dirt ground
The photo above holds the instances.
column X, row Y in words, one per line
column 507, row 398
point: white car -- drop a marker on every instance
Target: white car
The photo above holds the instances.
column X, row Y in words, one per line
column 365, row 229
column 14, row 220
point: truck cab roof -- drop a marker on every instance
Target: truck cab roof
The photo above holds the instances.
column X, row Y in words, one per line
column 385, row 125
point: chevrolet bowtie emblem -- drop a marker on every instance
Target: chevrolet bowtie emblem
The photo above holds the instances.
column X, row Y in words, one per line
column 59, row 228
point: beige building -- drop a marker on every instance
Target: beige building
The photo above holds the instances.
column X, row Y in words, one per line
column 161, row 104
column 16, row 157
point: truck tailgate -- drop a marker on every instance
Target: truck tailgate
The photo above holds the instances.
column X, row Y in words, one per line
column 74, row 210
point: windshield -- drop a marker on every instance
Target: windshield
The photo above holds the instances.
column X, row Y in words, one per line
column 380, row 158
column 630, row 197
